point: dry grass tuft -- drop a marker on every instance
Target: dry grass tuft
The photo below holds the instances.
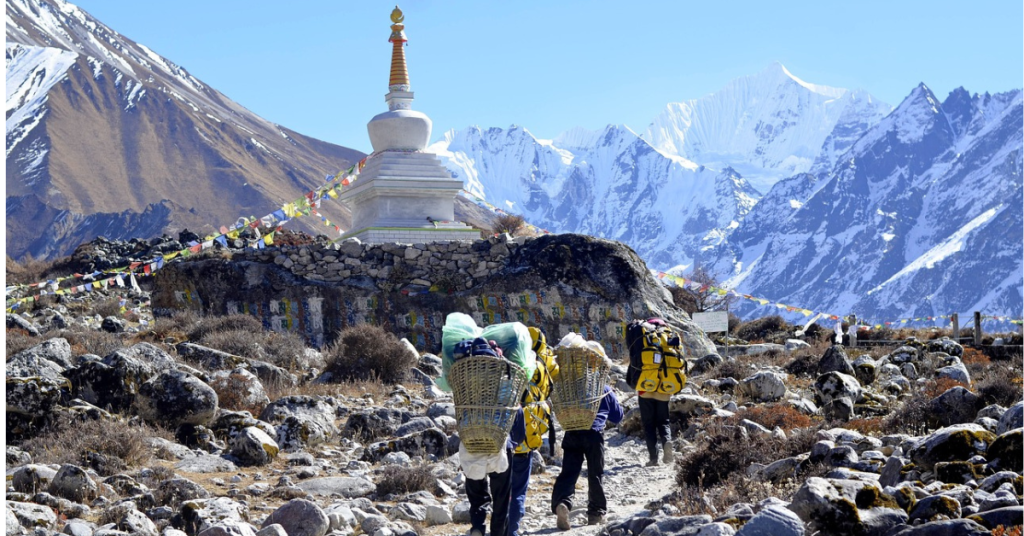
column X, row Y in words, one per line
column 367, row 352
column 727, row 451
column 973, row 356
column 508, row 223
column 397, row 479
column 867, row 426
column 239, row 322
column 936, row 387
column 19, row 340
column 771, row 415
column 75, row 441
column 766, row 329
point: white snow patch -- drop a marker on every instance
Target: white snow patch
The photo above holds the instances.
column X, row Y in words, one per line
column 795, row 204
column 31, row 72
column 889, row 236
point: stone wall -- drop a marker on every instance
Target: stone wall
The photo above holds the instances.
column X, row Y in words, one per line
column 560, row 283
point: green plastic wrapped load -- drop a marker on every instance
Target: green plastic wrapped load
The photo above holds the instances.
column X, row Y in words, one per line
column 513, row 338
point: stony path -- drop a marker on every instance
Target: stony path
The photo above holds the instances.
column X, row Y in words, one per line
column 628, row 484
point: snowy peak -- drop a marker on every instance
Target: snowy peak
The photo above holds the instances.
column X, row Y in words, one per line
column 767, row 126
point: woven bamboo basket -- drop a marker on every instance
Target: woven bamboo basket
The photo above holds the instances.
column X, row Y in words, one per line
column 577, row 391
column 487, row 391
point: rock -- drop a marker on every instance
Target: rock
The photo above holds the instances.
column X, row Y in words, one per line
column 229, row 529
column 956, row 405
column 272, row 530
column 31, row 478
column 956, row 371
column 367, row 426
column 460, row 512
column 244, row 388
column 765, row 386
column 934, row 508
column 430, row 442
column 228, row 424
column 153, row 356
column 1001, row 498
column 172, row 398
column 72, row 483
column 864, row 370
column 1006, row 451
column 346, row 486
column 682, row 526
column 416, row 424
column 408, row 512
column 76, row 527
column 1007, row 516
column 301, row 420
column 953, row 527
column 441, row 409
column 132, row 521
column 834, row 360
column 838, row 409
column 1011, row 418
column 112, row 324
column 31, row 516
column 946, row 345
column 796, row 344
column 205, row 464
column 773, row 521
column 300, row 517
column 716, row 529
column 686, row 404
column 253, row 447
column 953, row 443
column 174, row 491
column 200, row 514
column 17, row 321
column 437, row 515
column 31, row 401
column 48, row 359
column 904, row 354
column 846, row 507
column 832, row 385
column 372, row 523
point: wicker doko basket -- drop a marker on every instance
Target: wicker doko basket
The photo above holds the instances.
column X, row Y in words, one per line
column 487, row 392
column 577, row 391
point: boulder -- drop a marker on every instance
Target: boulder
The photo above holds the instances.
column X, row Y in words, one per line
column 31, row 478
column 30, row 516
column 838, row 409
column 174, row 491
column 955, row 371
column 228, row 424
column 130, row 520
column 300, row 517
column 956, row 405
column 72, row 483
column 765, row 386
column 172, row 398
column 209, row 358
column 112, row 324
column 438, row 515
column 240, row 386
column 951, row 527
column 832, row 385
column 367, row 426
column 301, row 420
column 205, row 463
column 48, row 359
column 198, row 515
column 834, row 360
column 406, row 511
column 114, row 381
column 953, row 443
column 935, row 508
column 946, row 345
column 846, row 507
column 904, row 354
column 686, row 404
column 19, row 322
column 253, row 446
column 773, row 521
column 33, row 397
column 416, row 424
column 1006, row 452
column 1011, row 418
column 684, row 525
column 864, row 370
column 347, row 486
column 1008, row 516
column 229, row 529
column 430, row 442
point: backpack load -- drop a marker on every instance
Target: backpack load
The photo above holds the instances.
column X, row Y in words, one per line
column 486, row 384
column 536, row 411
column 579, row 387
column 657, row 358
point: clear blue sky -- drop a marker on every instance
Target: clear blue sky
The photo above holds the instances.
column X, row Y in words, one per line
column 320, row 67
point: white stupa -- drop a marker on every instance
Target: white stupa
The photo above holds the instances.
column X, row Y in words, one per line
column 403, row 194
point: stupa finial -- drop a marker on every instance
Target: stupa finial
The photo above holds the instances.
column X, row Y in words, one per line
column 399, row 80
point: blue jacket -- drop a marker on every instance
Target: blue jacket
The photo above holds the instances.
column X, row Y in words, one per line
column 609, row 411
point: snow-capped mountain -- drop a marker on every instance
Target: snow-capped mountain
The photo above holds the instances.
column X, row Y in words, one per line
column 922, row 216
column 608, row 183
column 767, row 127
column 106, row 137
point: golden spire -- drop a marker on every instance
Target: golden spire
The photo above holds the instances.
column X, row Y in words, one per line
column 399, row 79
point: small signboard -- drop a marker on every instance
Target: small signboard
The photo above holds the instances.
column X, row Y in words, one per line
column 712, row 322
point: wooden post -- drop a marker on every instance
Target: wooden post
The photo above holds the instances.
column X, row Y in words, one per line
column 853, row 331
column 955, row 319
column 977, row 328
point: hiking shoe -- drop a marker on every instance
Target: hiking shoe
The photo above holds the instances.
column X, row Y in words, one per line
column 669, row 455
column 562, row 511
column 653, row 462
column 476, row 532
column 595, row 519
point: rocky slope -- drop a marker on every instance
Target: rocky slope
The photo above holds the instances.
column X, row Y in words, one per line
column 317, row 458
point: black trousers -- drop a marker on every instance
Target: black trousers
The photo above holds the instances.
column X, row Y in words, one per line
column 495, row 500
column 654, row 416
column 578, row 445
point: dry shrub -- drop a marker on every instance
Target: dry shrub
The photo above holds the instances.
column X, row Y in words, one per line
column 973, row 356
column 508, row 223
column 910, row 417
column 87, row 341
column 1003, row 389
column 284, row 349
column 784, row 416
column 934, row 388
column 397, row 479
column 176, row 326
column 107, row 307
column 234, row 341
column 867, row 426
column 72, row 441
column 19, row 340
column 239, row 322
column 351, row 388
column 803, row 364
column 1003, row 530
column 28, row 270
column 727, row 452
column 229, row 397
column 766, row 329
column 369, row 352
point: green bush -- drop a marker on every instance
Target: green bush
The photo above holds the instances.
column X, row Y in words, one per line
column 369, row 352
